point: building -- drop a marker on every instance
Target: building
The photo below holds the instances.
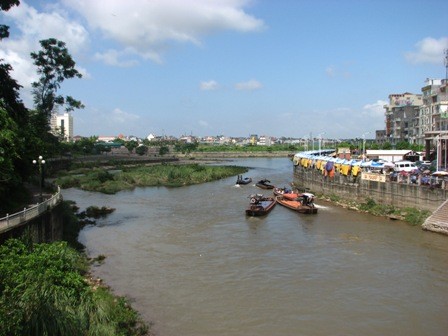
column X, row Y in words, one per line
column 433, row 121
column 62, row 125
column 402, row 114
column 389, row 155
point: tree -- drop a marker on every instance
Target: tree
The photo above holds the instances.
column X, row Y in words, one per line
column 54, row 65
column 387, row 145
column 141, row 150
column 6, row 5
column 163, row 150
column 403, row 145
column 131, row 145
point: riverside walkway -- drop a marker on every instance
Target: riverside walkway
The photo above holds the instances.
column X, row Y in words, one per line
column 17, row 219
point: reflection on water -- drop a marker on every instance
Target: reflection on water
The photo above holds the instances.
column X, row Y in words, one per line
column 193, row 263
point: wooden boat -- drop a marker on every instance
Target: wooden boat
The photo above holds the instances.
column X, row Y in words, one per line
column 260, row 205
column 300, row 204
column 243, row 180
column 286, row 193
column 264, row 184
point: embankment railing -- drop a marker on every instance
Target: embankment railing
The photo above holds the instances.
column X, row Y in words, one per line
column 19, row 218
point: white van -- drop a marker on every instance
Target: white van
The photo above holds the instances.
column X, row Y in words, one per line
column 407, row 166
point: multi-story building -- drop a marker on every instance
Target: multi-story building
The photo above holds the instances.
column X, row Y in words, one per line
column 402, row 114
column 434, row 120
column 62, row 125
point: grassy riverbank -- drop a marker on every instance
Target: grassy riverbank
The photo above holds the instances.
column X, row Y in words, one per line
column 410, row 215
column 45, row 289
column 110, row 182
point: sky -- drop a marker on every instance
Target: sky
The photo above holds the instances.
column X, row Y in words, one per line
column 291, row 68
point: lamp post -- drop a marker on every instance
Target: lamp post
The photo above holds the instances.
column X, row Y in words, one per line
column 305, row 142
column 320, row 140
column 364, row 145
column 40, row 162
column 437, row 138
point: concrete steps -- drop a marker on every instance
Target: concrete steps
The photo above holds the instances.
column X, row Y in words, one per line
column 438, row 221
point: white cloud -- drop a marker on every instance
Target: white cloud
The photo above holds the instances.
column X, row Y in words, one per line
column 114, row 58
column 250, row 85
column 429, row 50
column 31, row 27
column 204, row 124
column 208, row 86
column 376, row 109
column 119, row 117
column 330, row 71
column 149, row 27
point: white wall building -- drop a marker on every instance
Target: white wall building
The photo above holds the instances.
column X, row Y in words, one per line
column 62, row 125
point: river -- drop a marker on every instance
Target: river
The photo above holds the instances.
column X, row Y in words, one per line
column 195, row 265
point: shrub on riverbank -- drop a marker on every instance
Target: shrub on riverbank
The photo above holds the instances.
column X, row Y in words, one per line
column 44, row 290
column 145, row 176
column 411, row 215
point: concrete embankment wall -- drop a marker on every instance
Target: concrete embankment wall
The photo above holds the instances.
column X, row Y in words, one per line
column 47, row 227
column 399, row 195
column 231, row 155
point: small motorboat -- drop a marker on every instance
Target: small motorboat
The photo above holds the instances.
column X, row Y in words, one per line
column 286, row 193
column 260, row 205
column 243, row 180
column 264, row 184
column 303, row 204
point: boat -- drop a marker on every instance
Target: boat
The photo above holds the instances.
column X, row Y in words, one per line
column 260, row 205
column 264, row 184
column 243, row 180
column 286, row 193
column 303, row 204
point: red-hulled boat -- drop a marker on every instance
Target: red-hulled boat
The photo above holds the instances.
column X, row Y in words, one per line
column 260, row 205
column 303, row 204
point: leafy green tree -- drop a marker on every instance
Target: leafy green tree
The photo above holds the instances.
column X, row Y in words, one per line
column 54, row 65
column 185, row 148
column 163, row 150
column 9, row 148
column 85, row 145
column 387, row 145
column 131, row 145
column 403, row 145
column 141, row 150
column 6, row 5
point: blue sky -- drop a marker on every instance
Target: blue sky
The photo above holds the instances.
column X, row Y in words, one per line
column 233, row 67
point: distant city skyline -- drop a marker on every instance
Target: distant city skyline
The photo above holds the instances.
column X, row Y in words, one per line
column 235, row 68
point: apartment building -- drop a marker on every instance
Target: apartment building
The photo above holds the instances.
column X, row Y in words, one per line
column 402, row 114
column 434, row 120
column 62, row 125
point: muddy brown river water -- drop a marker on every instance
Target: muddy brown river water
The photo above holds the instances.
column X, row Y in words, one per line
column 195, row 265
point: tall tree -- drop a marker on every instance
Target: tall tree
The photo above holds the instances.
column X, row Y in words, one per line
column 54, row 65
column 6, row 5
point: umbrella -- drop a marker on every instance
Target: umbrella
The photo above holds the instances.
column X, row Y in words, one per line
column 440, row 173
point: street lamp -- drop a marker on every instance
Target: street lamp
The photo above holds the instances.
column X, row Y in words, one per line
column 305, row 142
column 40, row 161
column 320, row 140
column 364, row 145
column 437, row 138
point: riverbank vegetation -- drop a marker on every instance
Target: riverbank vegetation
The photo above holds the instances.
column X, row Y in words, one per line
column 45, row 289
column 109, row 182
column 410, row 215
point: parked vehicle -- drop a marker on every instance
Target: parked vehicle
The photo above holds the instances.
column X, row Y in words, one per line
column 406, row 166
